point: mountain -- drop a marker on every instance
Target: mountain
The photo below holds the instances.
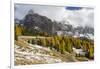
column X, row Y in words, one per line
column 34, row 23
column 35, row 20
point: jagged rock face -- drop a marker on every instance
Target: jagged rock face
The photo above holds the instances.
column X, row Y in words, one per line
column 32, row 20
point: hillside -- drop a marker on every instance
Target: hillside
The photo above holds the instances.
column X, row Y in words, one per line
column 35, row 54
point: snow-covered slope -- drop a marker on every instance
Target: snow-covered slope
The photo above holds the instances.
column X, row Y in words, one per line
column 35, row 54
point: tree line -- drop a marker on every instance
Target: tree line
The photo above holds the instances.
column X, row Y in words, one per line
column 65, row 44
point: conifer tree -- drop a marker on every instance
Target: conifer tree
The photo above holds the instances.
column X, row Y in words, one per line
column 53, row 42
column 91, row 52
column 78, row 44
column 63, row 46
column 43, row 42
column 69, row 47
column 18, row 30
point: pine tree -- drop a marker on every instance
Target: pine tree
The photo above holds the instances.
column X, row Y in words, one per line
column 59, row 46
column 78, row 44
column 53, row 42
column 18, row 30
column 84, row 46
column 43, row 41
column 63, row 46
column 69, row 46
column 91, row 52
column 56, row 43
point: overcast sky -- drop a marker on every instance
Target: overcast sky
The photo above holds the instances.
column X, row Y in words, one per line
column 75, row 15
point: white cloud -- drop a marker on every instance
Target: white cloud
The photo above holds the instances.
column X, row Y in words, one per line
column 81, row 17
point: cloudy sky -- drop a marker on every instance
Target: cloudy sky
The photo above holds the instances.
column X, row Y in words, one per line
column 73, row 15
